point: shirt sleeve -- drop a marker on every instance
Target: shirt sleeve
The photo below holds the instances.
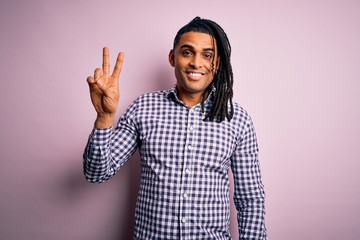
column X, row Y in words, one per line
column 249, row 195
column 107, row 150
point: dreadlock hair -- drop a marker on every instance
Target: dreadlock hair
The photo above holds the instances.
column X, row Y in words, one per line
column 223, row 78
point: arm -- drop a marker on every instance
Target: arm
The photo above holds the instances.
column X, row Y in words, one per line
column 106, row 151
column 249, row 195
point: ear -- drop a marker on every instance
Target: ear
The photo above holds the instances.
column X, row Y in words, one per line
column 172, row 58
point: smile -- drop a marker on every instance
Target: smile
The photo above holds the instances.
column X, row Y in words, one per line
column 194, row 75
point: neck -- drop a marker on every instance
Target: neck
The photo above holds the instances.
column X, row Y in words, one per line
column 191, row 99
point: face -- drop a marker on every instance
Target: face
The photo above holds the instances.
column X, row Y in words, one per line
column 195, row 61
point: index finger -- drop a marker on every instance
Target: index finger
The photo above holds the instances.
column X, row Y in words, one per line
column 106, row 64
column 118, row 65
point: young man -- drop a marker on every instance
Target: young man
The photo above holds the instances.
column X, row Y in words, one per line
column 189, row 137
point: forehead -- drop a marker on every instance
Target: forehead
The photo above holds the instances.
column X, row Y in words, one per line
column 197, row 40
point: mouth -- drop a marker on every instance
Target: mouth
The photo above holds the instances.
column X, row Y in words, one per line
column 194, row 75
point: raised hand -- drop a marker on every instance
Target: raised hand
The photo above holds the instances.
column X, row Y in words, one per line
column 104, row 90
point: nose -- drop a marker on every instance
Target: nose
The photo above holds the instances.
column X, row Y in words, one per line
column 196, row 62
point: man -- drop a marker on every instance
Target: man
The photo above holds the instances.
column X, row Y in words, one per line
column 189, row 137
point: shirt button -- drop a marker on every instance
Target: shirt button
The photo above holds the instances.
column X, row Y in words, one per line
column 189, row 147
column 185, row 195
column 187, row 171
column 184, row 220
column 191, row 128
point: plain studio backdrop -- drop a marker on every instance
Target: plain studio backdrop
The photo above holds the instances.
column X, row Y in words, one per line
column 296, row 67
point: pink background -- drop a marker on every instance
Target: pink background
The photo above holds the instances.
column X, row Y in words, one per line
column 296, row 65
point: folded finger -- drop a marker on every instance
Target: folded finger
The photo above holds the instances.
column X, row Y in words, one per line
column 97, row 73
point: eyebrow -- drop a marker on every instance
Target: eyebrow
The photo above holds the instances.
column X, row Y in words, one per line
column 192, row 47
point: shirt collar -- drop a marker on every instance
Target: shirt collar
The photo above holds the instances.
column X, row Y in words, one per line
column 172, row 94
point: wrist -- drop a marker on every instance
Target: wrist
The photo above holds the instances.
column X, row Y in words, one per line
column 104, row 121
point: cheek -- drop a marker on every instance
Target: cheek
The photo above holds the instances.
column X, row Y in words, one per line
column 177, row 68
column 178, row 73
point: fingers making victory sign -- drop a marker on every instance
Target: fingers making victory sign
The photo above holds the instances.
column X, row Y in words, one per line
column 104, row 90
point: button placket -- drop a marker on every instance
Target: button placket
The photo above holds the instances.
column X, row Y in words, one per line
column 186, row 181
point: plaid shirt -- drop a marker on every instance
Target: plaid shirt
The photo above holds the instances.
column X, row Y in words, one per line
column 184, row 186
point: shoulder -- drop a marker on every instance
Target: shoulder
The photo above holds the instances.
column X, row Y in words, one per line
column 242, row 120
column 240, row 113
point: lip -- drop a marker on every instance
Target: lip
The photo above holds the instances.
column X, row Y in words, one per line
column 193, row 75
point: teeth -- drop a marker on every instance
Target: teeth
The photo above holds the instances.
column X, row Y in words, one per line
column 195, row 74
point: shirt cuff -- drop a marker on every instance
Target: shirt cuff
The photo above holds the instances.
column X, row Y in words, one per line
column 100, row 136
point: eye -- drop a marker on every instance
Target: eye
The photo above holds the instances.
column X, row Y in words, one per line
column 186, row 53
column 208, row 56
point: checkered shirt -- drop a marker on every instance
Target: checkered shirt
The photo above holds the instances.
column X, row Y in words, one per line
column 185, row 161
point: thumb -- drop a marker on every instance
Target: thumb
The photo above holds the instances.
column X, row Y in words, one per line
column 100, row 84
column 103, row 87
